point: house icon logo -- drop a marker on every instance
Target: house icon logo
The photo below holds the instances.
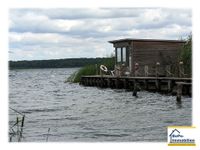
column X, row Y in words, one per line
column 180, row 136
column 175, row 134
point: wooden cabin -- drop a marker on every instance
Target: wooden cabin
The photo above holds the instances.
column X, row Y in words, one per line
column 147, row 57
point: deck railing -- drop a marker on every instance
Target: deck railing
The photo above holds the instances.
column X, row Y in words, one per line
column 157, row 70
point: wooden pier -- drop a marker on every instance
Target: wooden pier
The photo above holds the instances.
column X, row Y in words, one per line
column 166, row 85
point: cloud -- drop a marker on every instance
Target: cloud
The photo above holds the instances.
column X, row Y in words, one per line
column 82, row 13
column 31, row 22
column 66, row 33
column 51, row 45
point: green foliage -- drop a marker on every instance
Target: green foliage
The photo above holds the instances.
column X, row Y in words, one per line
column 186, row 55
column 91, row 70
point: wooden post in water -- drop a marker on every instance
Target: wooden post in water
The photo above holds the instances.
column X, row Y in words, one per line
column 116, row 83
column 96, row 82
column 169, row 86
column 17, row 123
column 179, row 91
column 135, row 88
column 108, row 83
column 146, row 84
column 125, row 83
column 82, row 81
column 89, row 82
column 86, row 81
column 101, row 82
column 47, row 138
column 22, row 125
column 157, row 85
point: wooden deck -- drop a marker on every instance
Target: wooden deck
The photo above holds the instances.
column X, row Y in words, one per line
column 167, row 85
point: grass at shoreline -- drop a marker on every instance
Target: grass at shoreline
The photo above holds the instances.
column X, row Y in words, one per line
column 90, row 70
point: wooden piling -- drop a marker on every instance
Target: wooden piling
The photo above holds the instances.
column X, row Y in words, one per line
column 116, row 83
column 22, row 125
column 135, row 88
column 157, row 82
column 179, row 91
column 169, row 86
column 125, row 84
column 101, row 83
column 108, row 82
column 146, row 84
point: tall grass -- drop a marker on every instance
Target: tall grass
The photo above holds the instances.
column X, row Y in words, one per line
column 186, row 55
column 91, row 70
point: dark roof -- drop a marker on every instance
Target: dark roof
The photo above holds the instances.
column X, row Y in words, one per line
column 146, row 40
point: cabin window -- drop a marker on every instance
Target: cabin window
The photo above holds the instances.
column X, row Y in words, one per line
column 124, row 54
column 119, row 55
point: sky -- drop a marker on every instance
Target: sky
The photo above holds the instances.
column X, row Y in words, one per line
column 41, row 34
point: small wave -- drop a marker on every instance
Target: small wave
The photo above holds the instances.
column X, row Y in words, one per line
column 110, row 135
column 11, row 75
column 73, row 118
column 55, row 119
column 32, row 121
column 40, row 110
column 169, row 121
column 88, row 128
column 56, row 91
column 66, row 118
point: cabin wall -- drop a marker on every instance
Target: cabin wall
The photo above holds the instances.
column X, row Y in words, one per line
column 149, row 53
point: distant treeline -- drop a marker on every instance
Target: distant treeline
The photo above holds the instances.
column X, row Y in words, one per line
column 55, row 63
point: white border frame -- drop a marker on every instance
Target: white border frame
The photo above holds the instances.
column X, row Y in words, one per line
column 87, row 4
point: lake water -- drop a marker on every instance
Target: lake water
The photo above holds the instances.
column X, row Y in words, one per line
column 89, row 114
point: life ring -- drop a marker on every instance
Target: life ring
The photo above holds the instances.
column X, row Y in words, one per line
column 103, row 68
